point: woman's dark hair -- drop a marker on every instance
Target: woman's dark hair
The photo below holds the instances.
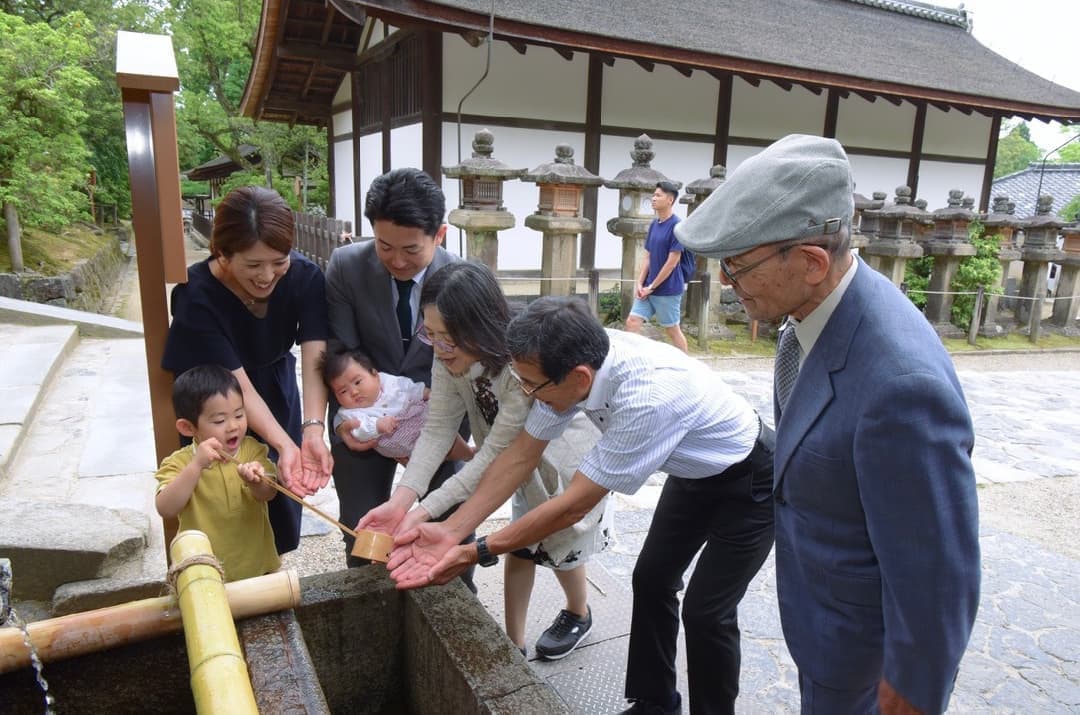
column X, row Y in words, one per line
column 406, row 197
column 248, row 215
column 473, row 308
column 193, row 388
column 335, row 359
column 558, row 334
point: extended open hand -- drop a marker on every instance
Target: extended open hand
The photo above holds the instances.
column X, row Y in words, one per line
column 417, row 553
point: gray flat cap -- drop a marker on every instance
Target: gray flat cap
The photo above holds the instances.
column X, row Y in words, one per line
column 798, row 187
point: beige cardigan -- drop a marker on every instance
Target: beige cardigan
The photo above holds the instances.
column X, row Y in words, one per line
column 451, row 398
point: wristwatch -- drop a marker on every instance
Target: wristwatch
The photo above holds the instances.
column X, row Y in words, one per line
column 485, row 557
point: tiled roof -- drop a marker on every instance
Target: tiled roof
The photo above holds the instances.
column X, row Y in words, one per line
column 905, row 48
column 1062, row 181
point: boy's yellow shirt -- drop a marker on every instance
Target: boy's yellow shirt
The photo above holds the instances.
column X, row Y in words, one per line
column 223, row 508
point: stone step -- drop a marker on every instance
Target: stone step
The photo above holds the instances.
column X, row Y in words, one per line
column 30, row 356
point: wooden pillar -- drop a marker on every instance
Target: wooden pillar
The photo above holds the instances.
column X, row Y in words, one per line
column 915, row 162
column 991, row 159
column 723, row 120
column 832, row 112
column 331, row 202
column 357, row 119
column 386, row 104
column 431, row 97
column 594, row 93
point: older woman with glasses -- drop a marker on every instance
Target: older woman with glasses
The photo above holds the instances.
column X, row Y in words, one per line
column 465, row 317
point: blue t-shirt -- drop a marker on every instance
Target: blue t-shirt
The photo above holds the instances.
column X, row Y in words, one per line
column 659, row 243
column 211, row 326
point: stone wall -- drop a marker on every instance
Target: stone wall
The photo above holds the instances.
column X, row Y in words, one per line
column 85, row 287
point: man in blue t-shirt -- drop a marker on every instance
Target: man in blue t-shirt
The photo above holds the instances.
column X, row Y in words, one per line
column 659, row 287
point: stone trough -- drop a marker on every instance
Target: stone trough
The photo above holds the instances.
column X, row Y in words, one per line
column 354, row 645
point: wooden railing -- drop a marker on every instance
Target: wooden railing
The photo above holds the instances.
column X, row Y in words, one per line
column 318, row 236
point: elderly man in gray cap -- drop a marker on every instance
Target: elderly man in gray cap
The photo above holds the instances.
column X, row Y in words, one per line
column 877, row 550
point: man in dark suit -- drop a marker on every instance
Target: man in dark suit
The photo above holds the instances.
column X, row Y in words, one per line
column 373, row 294
column 877, row 548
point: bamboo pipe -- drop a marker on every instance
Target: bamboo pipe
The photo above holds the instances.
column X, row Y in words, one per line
column 367, row 544
column 92, row 631
column 220, row 682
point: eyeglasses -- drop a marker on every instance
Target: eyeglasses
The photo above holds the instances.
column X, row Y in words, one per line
column 527, row 387
column 733, row 276
column 440, row 345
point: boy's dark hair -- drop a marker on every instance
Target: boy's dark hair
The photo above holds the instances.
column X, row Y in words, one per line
column 406, row 197
column 670, row 188
column 336, row 357
column 558, row 334
column 194, row 387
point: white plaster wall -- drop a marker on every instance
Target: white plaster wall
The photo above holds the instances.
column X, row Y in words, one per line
column 937, row 178
column 343, row 182
column 875, row 125
column 344, row 91
column 769, row 112
column 738, row 153
column 519, row 247
column 537, row 85
column 955, row 134
column 877, row 173
column 342, row 123
column 370, row 167
column 661, row 99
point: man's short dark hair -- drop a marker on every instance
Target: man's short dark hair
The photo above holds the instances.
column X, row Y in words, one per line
column 558, row 334
column 406, row 197
column 670, row 188
column 194, row 387
column 335, row 359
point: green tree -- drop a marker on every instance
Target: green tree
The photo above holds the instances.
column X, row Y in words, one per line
column 43, row 158
column 1071, row 210
column 982, row 269
column 1015, row 151
column 1070, row 152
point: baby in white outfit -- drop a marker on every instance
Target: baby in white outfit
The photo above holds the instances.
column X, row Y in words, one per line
column 388, row 408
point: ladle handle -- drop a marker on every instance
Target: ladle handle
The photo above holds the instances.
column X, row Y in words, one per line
column 301, row 502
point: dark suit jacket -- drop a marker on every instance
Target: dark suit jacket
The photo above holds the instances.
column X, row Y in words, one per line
column 877, row 540
column 361, row 310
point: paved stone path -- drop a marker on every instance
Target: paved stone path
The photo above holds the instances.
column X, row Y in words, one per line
column 1024, row 655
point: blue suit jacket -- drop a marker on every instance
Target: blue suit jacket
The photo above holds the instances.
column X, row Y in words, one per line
column 877, row 543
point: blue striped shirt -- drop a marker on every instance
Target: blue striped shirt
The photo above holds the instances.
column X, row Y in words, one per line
column 658, row 409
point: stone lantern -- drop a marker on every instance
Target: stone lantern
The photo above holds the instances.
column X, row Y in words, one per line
column 636, row 186
column 696, row 193
column 894, row 243
column 558, row 217
column 859, row 233
column 999, row 221
column 1068, row 285
column 949, row 243
column 481, row 214
column 1040, row 248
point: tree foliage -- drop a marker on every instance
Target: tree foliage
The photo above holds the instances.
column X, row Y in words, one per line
column 1071, row 211
column 1015, row 151
column 43, row 158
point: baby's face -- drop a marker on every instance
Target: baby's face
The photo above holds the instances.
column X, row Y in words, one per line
column 356, row 387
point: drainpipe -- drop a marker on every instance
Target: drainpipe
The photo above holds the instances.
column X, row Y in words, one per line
column 219, row 676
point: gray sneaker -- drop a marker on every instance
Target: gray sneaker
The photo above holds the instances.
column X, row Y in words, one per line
column 563, row 635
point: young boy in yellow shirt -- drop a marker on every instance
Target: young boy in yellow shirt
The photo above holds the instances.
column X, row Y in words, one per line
column 215, row 484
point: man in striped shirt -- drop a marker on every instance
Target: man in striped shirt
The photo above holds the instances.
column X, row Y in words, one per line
column 657, row 409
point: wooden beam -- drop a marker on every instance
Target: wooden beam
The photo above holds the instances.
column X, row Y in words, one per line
column 963, row 110
column 815, row 89
column 328, row 24
column 991, row 160
column 608, row 60
column 338, row 59
column 565, row 52
column 331, row 180
column 386, row 104
column 723, row 119
column 475, row 38
column 871, row 98
column 645, row 64
column 750, row 79
column 832, row 113
column 782, row 84
column 941, row 105
column 275, row 104
column 683, row 70
column 897, row 101
column 357, row 120
column 915, row 163
column 521, row 47
column 594, row 93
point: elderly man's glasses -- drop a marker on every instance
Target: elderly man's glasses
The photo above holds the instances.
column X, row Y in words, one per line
column 732, row 276
column 527, row 387
column 442, row 346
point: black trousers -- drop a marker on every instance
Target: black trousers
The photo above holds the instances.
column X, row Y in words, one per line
column 363, row 481
column 731, row 513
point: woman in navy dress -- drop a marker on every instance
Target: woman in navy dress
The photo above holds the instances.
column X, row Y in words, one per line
column 244, row 308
